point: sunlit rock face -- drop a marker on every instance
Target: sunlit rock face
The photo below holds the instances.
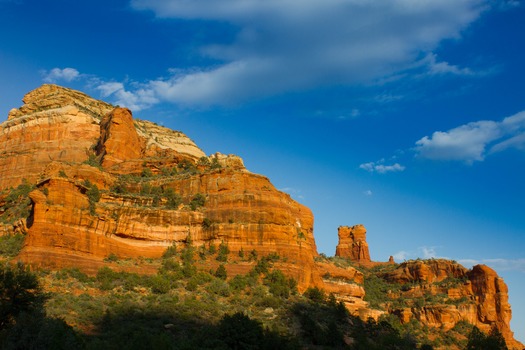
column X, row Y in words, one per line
column 352, row 243
column 71, row 147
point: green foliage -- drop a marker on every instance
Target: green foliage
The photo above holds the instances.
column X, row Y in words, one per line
column 221, row 272
column 36, row 331
column 219, row 287
column 17, row 203
column 478, row 340
column 315, row 294
column 10, row 245
column 173, row 200
column 20, row 292
column 253, row 255
column 204, row 161
column 377, row 290
column 280, row 285
column 111, row 258
column 206, row 223
column 198, row 201
column 238, row 331
column 187, row 167
column 223, row 252
column 146, row 172
column 215, row 164
column 93, row 160
column 93, row 195
column 62, row 173
column 171, row 251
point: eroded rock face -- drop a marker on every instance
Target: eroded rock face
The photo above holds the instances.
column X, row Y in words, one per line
column 54, row 124
column 352, row 243
column 478, row 296
column 242, row 209
column 50, row 138
column 429, row 271
column 118, row 140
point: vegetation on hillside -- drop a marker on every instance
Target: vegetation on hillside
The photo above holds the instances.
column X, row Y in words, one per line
column 185, row 306
column 192, row 301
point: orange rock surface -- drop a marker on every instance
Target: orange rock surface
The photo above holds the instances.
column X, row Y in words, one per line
column 485, row 293
column 66, row 143
column 352, row 243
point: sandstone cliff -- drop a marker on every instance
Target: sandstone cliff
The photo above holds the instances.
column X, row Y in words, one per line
column 352, row 244
column 64, row 142
column 103, row 184
column 438, row 293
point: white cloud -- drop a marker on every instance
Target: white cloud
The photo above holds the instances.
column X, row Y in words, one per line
column 368, row 193
column 139, row 99
column 436, row 68
column 292, row 45
column 401, row 256
column 497, row 264
column 473, row 141
column 58, row 74
column 380, row 167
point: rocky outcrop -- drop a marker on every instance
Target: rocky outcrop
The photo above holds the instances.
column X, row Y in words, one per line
column 106, row 184
column 241, row 208
column 427, row 271
column 352, row 243
column 478, row 296
column 118, row 140
column 54, row 124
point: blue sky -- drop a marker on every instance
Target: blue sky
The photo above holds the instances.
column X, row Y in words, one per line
column 406, row 116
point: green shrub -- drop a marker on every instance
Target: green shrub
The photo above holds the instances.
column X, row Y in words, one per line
column 10, row 245
column 223, row 252
column 198, row 201
column 146, row 172
column 279, row 284
column 111, row 258
column 17, row 203
column 20, row 292
column 160, row 284
column 206, row 223
column 173, row 200
column 219, row 287
column 221, row 272
column 171, row 251
column 315, row 294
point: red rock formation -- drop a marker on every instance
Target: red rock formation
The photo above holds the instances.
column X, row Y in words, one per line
column 352, row 243
column 55, row 124
column 429, row 271
column 47, row 140
column 485, row 294
column 119, row 140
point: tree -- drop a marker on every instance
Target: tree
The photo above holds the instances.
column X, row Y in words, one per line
column 197, row 201
column 221, row 272
column 477, row 340
column 238, row 331
column 20, row 292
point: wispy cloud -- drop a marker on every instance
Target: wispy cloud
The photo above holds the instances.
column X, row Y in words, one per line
column 381, row 168
column 137, row 100
column 60, row 74
column 293, row 192
column 439, row 68
column 474, row 141
column 311, row 43
column 497, row 264
column 421, row 252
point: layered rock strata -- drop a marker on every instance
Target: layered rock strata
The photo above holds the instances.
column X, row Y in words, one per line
column 352, row 244
column 106, row 184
